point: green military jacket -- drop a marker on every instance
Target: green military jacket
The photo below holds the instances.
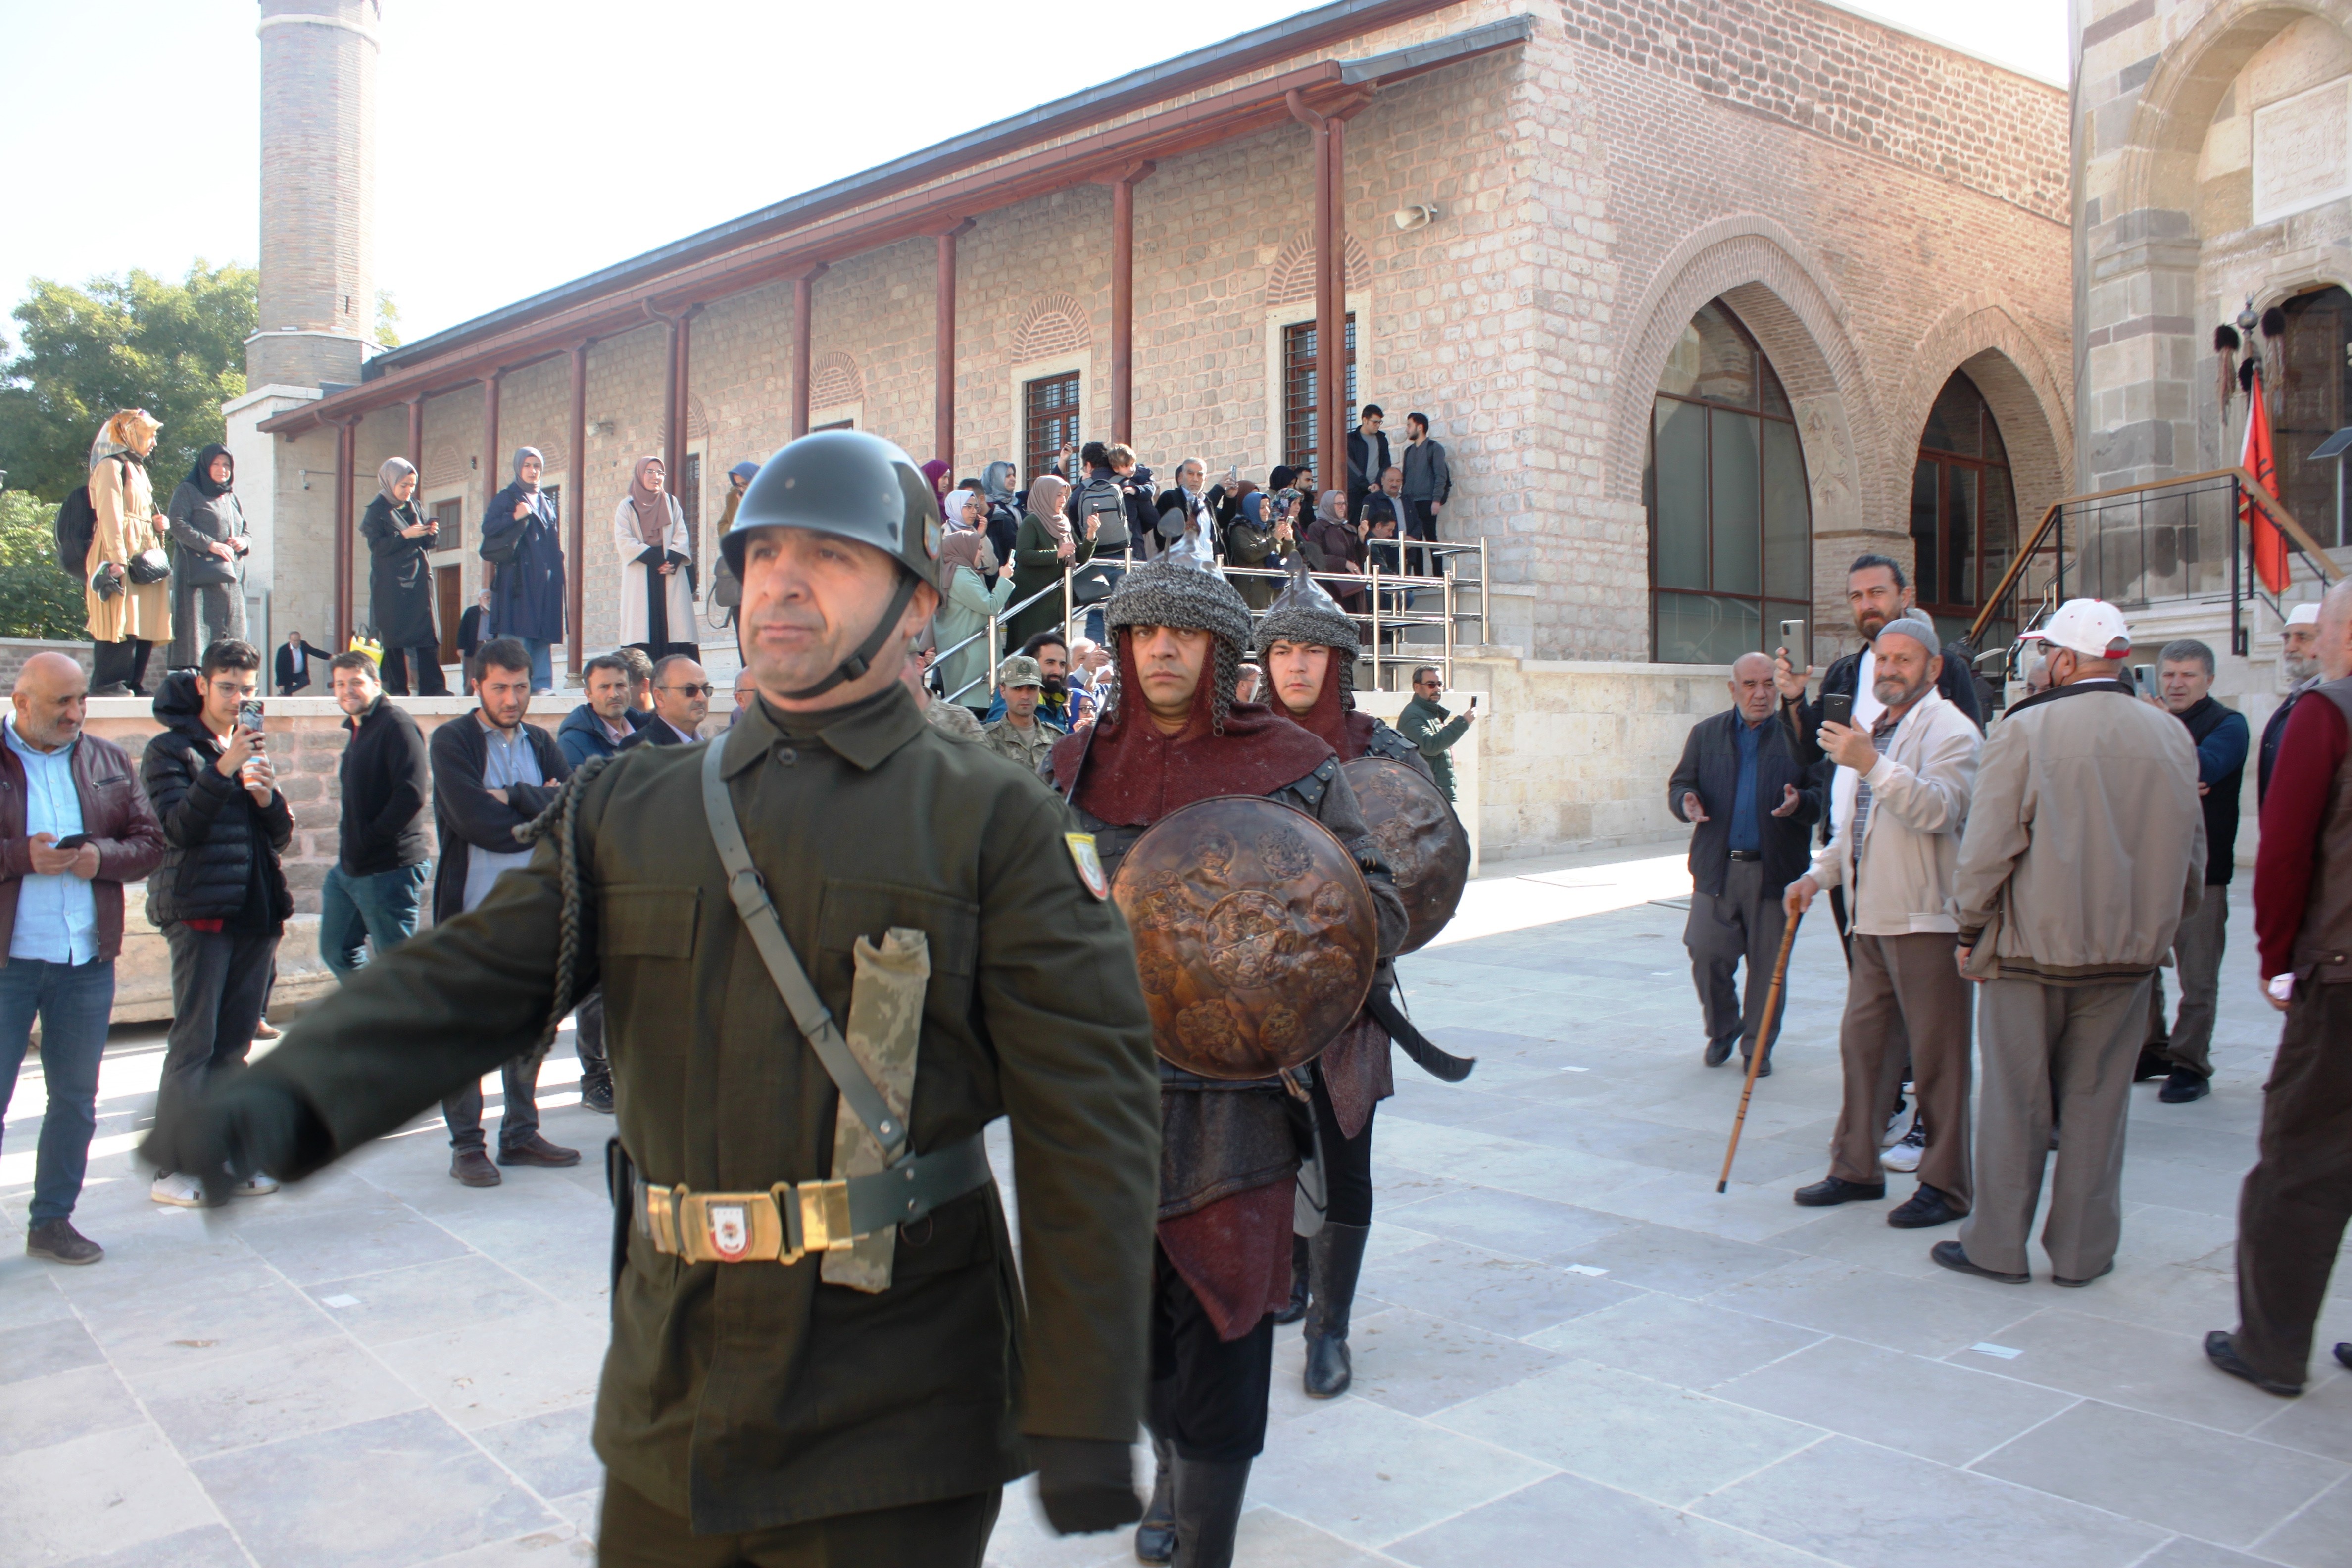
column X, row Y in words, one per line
column 1426, row 725
column 747, row 1396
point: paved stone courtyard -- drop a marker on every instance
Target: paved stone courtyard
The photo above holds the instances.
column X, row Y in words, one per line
column 1569, row 1350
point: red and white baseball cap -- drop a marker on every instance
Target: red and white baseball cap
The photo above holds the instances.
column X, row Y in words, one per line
column 2092, row 628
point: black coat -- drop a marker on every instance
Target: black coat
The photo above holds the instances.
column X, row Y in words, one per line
column 386, row 782
column 1710, row 766
column 314, row 661
column 400, row 580
column 470, row 635
column 527, row 594
column 212, row 829
column 466, row 814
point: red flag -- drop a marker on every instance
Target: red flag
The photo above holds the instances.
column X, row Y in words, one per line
column 2270, row 544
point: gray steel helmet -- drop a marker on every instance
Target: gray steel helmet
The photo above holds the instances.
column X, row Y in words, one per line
column 850, row 484
column 1303, row 612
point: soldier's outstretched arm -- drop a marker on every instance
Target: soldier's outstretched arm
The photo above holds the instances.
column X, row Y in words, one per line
column 1065, row 1013
column 432, row 1015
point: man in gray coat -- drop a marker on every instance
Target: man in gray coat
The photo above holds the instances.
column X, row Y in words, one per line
column 2084, row 849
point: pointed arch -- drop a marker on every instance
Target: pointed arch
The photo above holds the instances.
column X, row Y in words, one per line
column 1292, row 277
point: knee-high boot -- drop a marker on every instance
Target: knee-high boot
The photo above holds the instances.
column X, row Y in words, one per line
column 1155, row 1536
column 1338, row 1257
column 1299, row 1263
column 1209, row 1494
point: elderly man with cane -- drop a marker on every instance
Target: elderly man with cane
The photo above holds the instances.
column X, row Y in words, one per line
column 1895, row 843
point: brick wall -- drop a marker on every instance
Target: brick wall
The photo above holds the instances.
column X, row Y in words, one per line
column 14, row 651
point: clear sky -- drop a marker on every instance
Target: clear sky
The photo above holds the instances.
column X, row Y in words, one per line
column 522, row 144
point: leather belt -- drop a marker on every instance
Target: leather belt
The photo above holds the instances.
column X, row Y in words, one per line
column 1745, row 855
column 792, row 1219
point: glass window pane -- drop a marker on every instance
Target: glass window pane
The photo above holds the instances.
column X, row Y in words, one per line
column 1788, row 531
column 1734, row 492
column 1705, row 628
column 1952, row 424
column 1727, row 365
column 1926, row 480
column 1995, row 529
column 1678, row 518
column 1776, row 400
column 1959, row 538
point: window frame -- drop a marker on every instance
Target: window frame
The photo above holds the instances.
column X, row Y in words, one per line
column 1300, row 443
column 1941, row 607
column 1041, row 444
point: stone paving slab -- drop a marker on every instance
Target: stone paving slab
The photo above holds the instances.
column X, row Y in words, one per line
column 1569, row 1349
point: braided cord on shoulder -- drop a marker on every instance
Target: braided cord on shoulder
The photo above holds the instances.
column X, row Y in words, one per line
column 562, row 817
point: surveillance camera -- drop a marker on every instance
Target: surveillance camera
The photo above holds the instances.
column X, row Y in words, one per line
column 1417, row 215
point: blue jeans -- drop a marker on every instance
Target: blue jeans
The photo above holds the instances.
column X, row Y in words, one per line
column 542, row 663
column 72, row 1001
column 1114, row 568
column 354, row 911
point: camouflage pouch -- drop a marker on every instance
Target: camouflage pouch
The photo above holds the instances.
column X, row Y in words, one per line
column 885, row 1029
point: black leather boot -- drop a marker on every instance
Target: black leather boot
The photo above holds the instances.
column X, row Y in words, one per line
column 1155, row 1537
column 1209, row 1494
column 1339, row 1258
column 1298, row 1267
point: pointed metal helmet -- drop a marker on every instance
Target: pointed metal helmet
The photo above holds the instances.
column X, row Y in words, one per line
column 1303, row 612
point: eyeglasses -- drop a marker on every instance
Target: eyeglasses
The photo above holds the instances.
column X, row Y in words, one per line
column 703, row 691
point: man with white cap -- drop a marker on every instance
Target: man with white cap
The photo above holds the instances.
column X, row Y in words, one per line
column 1895, row 843
column 2299, row 662
column 2084, row 849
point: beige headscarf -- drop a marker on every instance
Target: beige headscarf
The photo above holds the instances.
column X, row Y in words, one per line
column 1046, row 492
column 119, row 435
column 652, row 507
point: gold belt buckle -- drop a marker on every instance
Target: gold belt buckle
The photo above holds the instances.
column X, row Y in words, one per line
column 728, row 1227
column 824, row 1209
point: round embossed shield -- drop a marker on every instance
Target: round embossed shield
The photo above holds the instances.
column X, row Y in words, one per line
column 1425, row 844
column 1254, row 935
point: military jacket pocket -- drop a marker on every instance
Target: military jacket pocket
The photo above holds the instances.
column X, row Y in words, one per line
column 641, row 922
column 951, row 925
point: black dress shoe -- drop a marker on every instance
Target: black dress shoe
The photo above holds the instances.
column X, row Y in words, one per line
column 1955, row 1257
column 2343, row 1352
column 1764, row 1071
column 473, row 1168
column 2078, row 1284
column 1719, row 1051
column 2152, row 1063
column 538, row 1151
column 2182, row 1086
column 1837, row 1189
column 59, row 1242
column 2221, row 1350
column 1927, row 1208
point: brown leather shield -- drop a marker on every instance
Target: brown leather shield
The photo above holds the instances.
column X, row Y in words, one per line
column 1425, row 844
column 1255, row 937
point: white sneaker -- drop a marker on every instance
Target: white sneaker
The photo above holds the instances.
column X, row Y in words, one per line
column 1898, row 1125
column 179, row 1190
column 1904, row 1154
column 255, row 1185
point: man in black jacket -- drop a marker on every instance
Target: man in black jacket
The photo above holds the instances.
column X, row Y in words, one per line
column 1368, row 457
column 492, row 774
column 219, row 897
column 1751, row 799
column 681, row 702
column 295, row 670
column 377, row 881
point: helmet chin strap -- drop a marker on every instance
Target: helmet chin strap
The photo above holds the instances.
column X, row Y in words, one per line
column 858, row 663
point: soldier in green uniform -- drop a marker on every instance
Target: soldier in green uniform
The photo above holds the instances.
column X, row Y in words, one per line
column 819, row 1351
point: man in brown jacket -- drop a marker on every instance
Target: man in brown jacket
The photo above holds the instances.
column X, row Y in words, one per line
column 74, row 826
column 2084, row 848
column 2292, row 1214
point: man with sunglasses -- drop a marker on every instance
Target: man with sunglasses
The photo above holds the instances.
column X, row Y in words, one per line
column 681, row 701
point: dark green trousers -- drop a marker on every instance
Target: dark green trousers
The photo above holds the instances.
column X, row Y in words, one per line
column 637, row 1533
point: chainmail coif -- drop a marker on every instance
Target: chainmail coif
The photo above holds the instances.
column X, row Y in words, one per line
column 1167, row 592
column 1303, row 612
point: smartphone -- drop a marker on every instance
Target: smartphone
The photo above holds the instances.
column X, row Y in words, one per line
column 71, row 841
column 1792, row 638
column 248, row 716
column 1837, row 708
column 1473, row 704
column 2144, row 677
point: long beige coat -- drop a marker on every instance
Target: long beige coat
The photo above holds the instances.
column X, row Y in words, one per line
column 676, row 597
column 126, row 525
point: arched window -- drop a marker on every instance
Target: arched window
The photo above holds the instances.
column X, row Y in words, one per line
column 1731, row 521
column 1963, row 510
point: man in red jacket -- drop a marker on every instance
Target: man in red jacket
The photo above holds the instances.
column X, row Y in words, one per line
column 2298, row 1196
column 74, row 826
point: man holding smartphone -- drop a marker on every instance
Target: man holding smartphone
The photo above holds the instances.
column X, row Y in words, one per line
column 219, row 896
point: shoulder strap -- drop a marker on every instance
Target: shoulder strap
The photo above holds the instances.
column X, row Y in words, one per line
column 750, row 891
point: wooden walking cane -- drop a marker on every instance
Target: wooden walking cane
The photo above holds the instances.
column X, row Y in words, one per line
column 1756, row 1056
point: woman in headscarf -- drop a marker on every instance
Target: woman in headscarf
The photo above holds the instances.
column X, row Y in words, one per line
column 937, row 470
column 128, row 620
column 1003, row 523
column 210, row 541
column 1331, row 546
column 400, row 581
column 527, row 594
column 1255, row 540
column 655, row 549
column 1040, row 550
column 966, row 601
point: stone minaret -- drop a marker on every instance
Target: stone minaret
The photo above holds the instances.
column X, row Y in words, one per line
column 318, row 192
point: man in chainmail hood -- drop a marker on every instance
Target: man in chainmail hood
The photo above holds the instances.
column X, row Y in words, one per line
column 1172, row 735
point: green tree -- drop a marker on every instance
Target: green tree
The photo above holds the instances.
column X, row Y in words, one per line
column 36, row 600
column 387, row 320
column 176, row 350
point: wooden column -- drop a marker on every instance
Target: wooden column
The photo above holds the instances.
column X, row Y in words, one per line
column 673, row 435
column 943, row 350
column 417, row 440
column 491, row 467
column 346, row 462
column 1122, row 301
column 1329, row 132
column 575, row 487
column 803, row 301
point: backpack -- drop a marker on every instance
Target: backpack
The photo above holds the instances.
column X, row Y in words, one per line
column 76, row 526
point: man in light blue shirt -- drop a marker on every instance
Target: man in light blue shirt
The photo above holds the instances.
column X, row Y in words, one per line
column 74, row 826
